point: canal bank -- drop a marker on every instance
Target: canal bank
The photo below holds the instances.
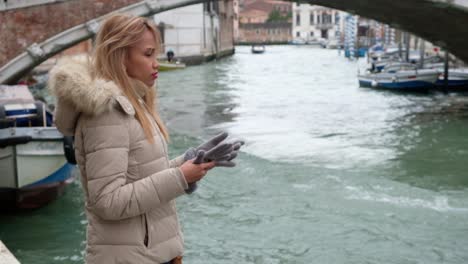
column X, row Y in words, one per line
column 187, row 60
column 330, row 173
column 203, row 58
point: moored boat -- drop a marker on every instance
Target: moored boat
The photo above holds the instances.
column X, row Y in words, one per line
column 169, row 66
column 258, row 49
column 301, row 41
column 400, row 76
column 35, row 158
column 457, row 78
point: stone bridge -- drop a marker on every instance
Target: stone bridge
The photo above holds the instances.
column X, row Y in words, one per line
column 32, row 34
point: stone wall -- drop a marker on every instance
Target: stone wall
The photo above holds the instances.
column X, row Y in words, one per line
column 265, row 33
column 226, row 25
column 19, row 28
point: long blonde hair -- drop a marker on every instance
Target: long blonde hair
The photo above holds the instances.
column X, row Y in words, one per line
column 116, row 34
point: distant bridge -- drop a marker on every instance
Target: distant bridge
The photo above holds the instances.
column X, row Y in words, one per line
column 33, row 34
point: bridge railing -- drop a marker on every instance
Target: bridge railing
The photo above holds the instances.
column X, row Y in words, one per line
column 15, row 4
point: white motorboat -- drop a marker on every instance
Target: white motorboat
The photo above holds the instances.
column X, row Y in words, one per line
column 258, row 49
column 457, row 78
column 33, row 163
column 400, row 76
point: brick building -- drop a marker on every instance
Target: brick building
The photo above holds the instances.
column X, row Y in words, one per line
column 264, row 21
column 274, row 33
column 22, row 22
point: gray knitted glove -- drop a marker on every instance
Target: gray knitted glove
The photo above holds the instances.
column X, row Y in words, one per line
column 213, row 142
column 220, row 151
column 198, row 160
column 206, row 146
column 222, row 154
column 213, row 150
column 226, row 161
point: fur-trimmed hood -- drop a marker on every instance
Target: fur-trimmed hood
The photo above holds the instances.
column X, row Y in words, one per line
column 70, row 80
column 78, row 93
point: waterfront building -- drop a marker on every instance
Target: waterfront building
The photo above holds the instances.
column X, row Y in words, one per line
column 360, row 34
column 312, row 23
column 259, row 11
column 253, row 16
column 236, row 19
column 264, row 21
column 199, row 32
column 278, row 32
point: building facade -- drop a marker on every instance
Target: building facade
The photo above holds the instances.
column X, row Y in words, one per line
column 199, row 32
column 271, row 33
column 264, row 21
column 235, row 21
column 312, row 23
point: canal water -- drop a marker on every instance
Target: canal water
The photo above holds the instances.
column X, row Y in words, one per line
column 330, row 173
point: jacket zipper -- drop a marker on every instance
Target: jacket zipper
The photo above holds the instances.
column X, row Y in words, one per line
column 145, row 241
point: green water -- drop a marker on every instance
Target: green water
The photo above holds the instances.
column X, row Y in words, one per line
column 331, row 173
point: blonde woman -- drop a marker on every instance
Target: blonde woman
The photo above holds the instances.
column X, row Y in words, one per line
column 108, row 104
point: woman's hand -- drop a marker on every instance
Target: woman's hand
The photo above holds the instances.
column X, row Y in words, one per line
column 194, row 172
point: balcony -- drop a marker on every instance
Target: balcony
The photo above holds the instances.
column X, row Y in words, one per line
column 324, row 26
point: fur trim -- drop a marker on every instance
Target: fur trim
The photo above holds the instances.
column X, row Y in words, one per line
column 70, row 81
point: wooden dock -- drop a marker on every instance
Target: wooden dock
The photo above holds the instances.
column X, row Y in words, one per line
column 5, row 255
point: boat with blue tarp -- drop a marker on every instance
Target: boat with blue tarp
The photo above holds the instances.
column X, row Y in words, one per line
column 36, row 160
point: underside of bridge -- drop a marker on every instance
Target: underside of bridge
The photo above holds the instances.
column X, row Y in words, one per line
column 438, row 21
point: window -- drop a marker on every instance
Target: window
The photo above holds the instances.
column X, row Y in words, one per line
column 207, row 7
column 326, row 18
column 311, row 33
column 311, row 18
column 298, row 19
column 298, row 34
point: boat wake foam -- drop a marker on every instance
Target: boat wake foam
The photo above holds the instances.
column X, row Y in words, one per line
column 440, row 203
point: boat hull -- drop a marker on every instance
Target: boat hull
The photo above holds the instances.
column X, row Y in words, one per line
column 421, row 80
column 410, row 86
column 36, row 195
column 169, row 66
column 457, row 79
column 33, row 172
column 258, row 51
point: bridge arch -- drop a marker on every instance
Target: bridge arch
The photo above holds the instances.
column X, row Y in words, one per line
column 36, row 53
column 442, row 22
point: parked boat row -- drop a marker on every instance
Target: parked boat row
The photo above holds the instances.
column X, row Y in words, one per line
column 36, row 160
column 457, row 78
column 400, row 76
column 419, row 73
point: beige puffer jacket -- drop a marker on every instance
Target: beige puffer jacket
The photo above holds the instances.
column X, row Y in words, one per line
column 129, row 183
